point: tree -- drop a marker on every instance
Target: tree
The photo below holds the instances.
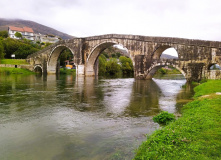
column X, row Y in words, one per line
column 65, row 55
column 4, row 34
column 24, row 50
column 102, row 64
column 118, row 54
column 21, row 49
column 18, row 35
column 1, row 50
column 126, row 65
column 162, row 70
column 10, row 46
column 113, row 67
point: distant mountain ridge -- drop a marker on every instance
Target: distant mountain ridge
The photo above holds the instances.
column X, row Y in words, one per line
column 167, row 56
column 38, row 28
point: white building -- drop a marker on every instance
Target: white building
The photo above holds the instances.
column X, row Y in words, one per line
column 26, row 32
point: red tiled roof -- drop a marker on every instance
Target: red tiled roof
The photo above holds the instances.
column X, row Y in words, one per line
column 16, row 29
column 27, row 29
column 24, row 29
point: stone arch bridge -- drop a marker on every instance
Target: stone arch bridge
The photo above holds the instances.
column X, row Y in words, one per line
column 195, row 57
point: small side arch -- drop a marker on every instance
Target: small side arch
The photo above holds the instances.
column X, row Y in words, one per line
column 214, row 66
column 153, row 69
column 38, row 69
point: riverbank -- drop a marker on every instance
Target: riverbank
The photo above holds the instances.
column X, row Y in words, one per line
column 14, row 61
column 6, row 70
column 195, row 135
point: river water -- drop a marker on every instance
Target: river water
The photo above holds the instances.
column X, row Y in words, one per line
column 68, row 118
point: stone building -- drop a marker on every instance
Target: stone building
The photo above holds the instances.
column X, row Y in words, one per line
column 46, row 38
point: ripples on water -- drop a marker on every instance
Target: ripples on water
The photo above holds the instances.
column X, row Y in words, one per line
column 77, row 118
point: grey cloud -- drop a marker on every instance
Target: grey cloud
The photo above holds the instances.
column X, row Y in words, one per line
column 199, row 19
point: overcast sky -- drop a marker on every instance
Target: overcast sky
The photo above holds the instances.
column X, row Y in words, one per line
column 193, row 19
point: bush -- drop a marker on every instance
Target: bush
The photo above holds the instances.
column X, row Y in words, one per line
column 162, row 71
column 126, row 65
column 102, row 64
column 164, row 118
column 1, row 50
column 4, row 34
column 113, row 67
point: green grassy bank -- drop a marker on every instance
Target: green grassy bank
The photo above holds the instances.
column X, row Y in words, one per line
column 195, row 135
column 14, row 61
column 7, row 71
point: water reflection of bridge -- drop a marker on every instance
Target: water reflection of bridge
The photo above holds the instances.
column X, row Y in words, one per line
column 118, row 97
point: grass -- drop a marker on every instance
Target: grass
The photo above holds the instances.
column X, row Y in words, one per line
column 14, row 61
column 7, row 71
column 209, row 87
column 196, row 135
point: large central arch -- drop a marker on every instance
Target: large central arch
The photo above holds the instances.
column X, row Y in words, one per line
column 91, row 63
column 53, row 58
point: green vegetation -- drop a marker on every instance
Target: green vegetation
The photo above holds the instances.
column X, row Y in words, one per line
column 113, row 67
column 102, row 64
column 21, row 48
column 2, row 54
column 111, row 52
column 65, row 55
column 162, row 71
column 18, row 35
column 126, row 65
column 164, row 118
column 14, row 61
column 5, row 70
column 196, row 135
column 4, row 34
column 170, row 70
column 68, row 71
column 209, row 87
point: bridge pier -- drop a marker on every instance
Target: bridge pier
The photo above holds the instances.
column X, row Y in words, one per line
column 80, row 70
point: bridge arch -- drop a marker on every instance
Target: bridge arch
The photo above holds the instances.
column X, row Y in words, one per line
column 153, row 69
column 214, row 66
column 52, row 62
column 160, row 49
column 38, row 69
column 91, row 63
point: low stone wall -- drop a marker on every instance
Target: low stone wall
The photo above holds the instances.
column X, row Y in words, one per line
column 29, row 67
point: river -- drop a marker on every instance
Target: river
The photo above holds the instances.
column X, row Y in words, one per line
column 68, row 118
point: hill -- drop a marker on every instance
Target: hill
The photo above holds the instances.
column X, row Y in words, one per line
column 167, row 56
column 38, row 28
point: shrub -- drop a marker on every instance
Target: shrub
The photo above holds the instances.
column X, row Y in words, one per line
column 112, row 67
column 102, row 64
column 162, row 71
column 4, row 34
column 164, row 118
column 126, row 65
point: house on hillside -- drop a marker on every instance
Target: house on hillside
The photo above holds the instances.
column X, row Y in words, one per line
column 26, row 32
